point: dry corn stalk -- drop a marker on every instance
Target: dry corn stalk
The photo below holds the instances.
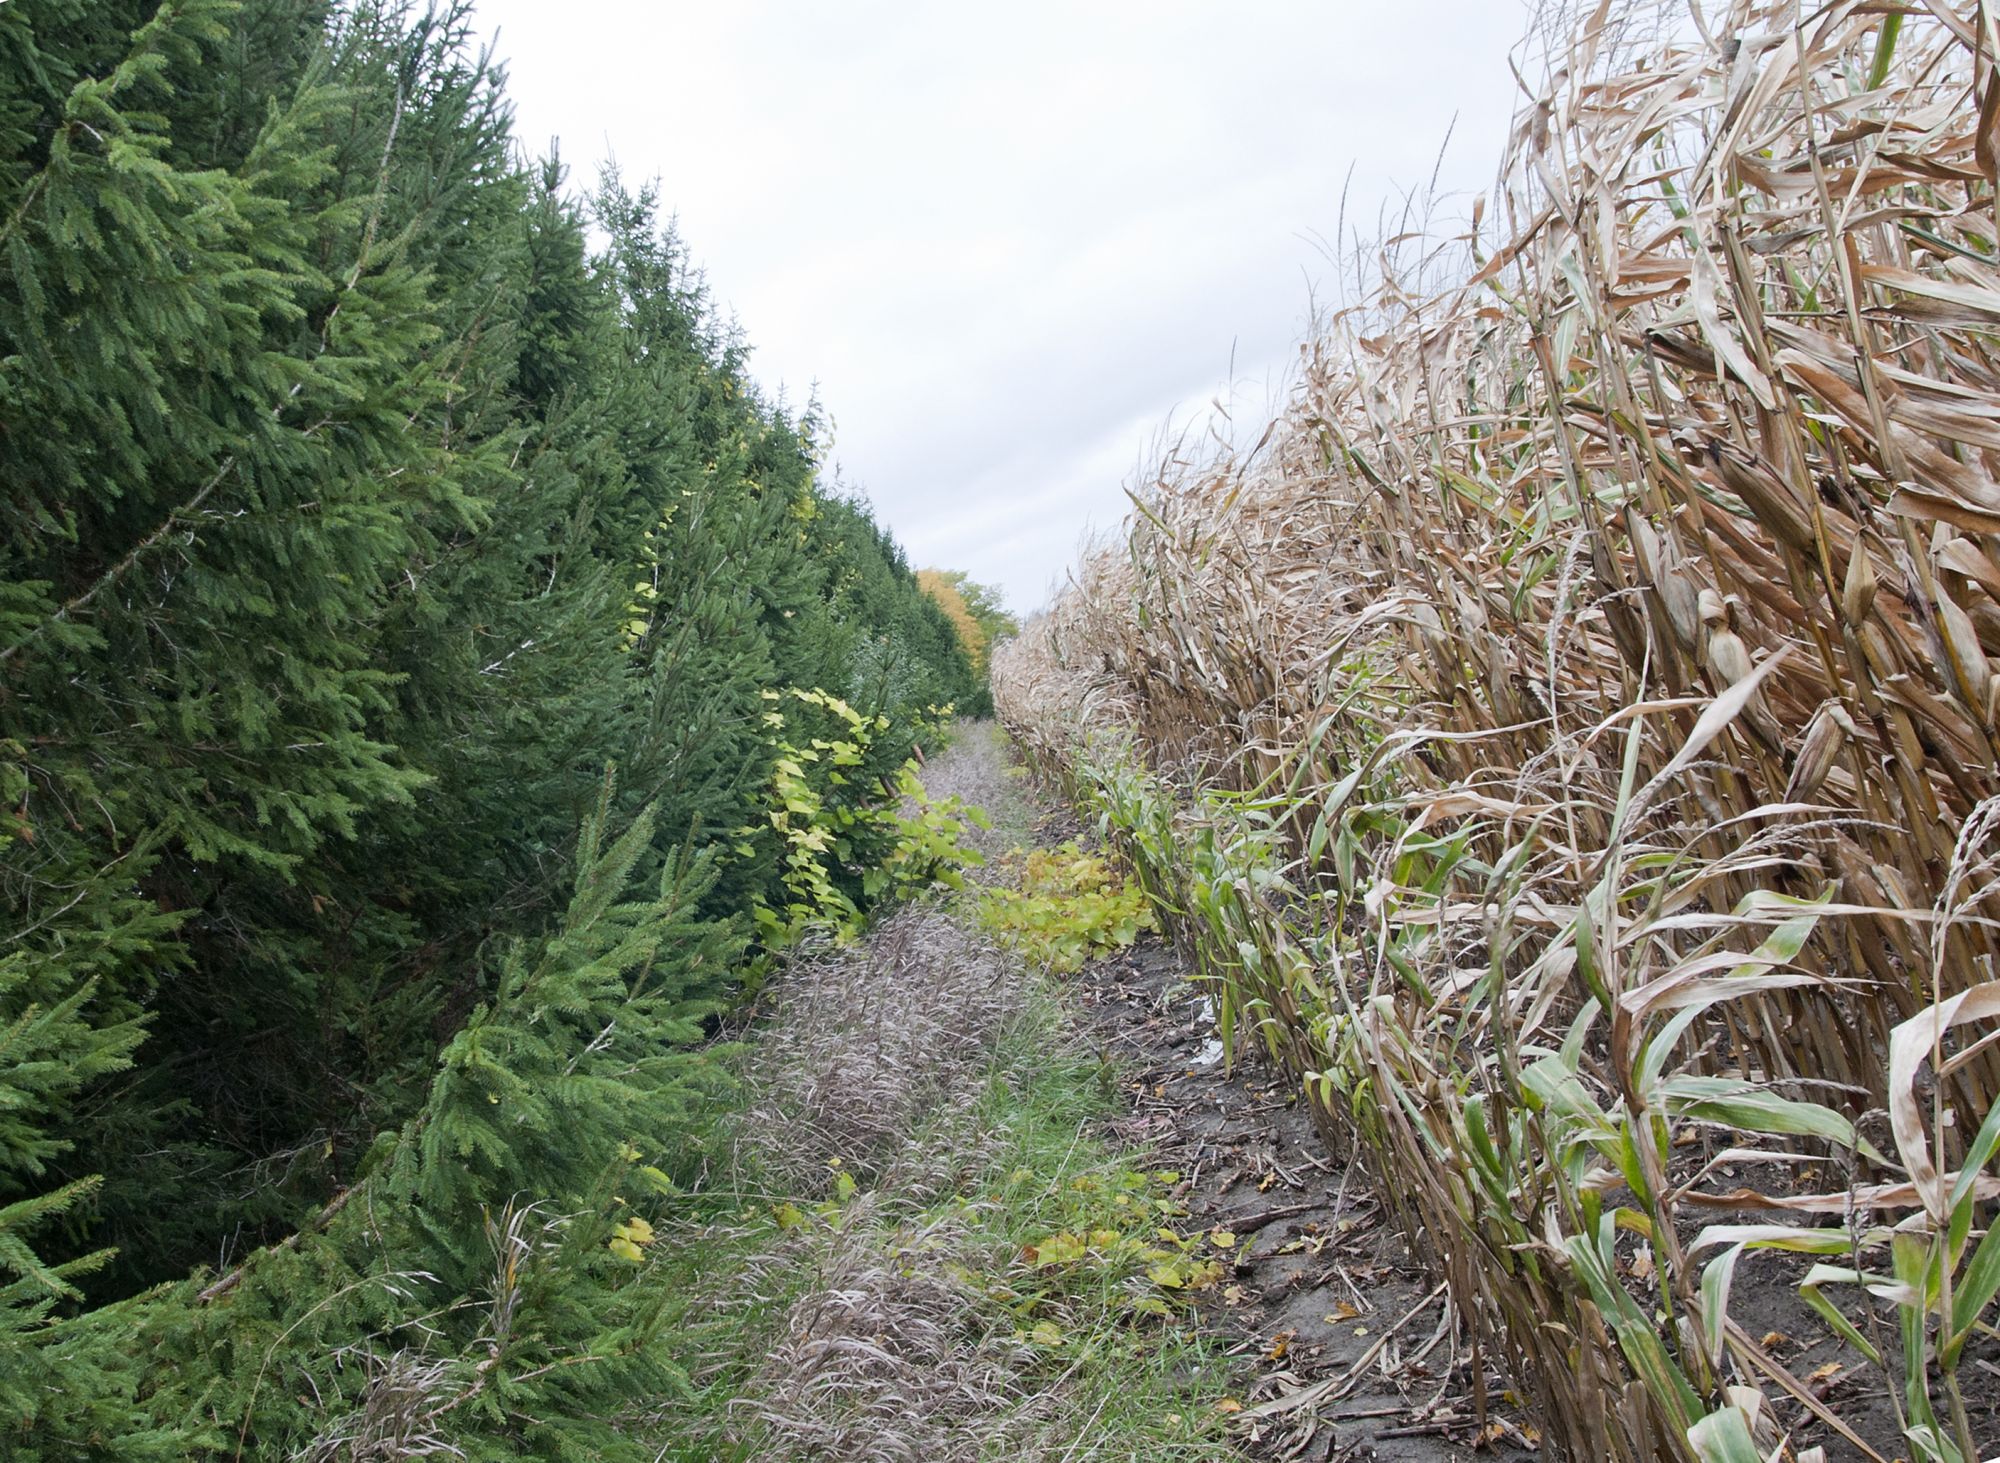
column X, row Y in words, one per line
column 1577, row 615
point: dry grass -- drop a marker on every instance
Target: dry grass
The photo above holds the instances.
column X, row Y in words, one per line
column 869, row 1045
column 975, row 768
column 917, row 1118
column 883, row 1309
column 864, row 1088
column 1573, row 619
column 884, row 1357
column 398, row 1414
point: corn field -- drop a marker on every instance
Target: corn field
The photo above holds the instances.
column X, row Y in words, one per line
column 1570, row 742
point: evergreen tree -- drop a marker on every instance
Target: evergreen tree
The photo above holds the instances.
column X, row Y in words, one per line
column 354, row 516
column 980, row 619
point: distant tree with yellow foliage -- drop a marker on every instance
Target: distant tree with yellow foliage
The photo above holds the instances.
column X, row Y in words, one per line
column 976, row 613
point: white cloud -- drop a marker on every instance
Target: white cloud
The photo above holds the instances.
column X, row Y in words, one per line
column 1010, row 242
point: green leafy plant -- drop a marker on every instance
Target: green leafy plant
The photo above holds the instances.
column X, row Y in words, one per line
column 1069, row 906
column 1114, row 1238
column 849, row 837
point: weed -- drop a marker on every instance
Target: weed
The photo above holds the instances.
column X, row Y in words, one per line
column 1065, row 907
column 849, row 839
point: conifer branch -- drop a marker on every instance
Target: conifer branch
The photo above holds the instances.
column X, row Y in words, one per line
column 27, row 202
column 118, row 570
column 367, row 232
column 319, row 1222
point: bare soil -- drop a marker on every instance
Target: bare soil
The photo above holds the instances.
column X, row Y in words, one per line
column 1349, row 1350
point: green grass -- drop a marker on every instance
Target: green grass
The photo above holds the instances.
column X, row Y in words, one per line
column 1058, row 1241
column 1122, row 1349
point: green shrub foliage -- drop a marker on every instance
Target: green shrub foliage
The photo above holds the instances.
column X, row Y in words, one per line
column 366, row 492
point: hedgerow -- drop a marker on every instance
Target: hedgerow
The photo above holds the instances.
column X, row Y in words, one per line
column 365, row 492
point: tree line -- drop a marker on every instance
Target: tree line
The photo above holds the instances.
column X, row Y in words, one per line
column 397, row 562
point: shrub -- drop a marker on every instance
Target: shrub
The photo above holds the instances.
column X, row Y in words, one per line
column 1066, row 907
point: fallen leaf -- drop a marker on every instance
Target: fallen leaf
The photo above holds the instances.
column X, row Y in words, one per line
column 1167, row 1277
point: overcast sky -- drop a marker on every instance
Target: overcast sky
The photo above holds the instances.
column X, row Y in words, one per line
column 1009, row 243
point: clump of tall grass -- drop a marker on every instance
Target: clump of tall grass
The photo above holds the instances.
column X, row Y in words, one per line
column 1572, row 741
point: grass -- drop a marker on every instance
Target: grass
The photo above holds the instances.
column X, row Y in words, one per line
column 912, row 1244
column 1118, row 1349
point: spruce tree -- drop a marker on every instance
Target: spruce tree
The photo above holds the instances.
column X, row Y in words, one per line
column 354, row 516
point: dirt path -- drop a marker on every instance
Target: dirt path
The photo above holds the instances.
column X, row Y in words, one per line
column 935, row 1218
column 1352, row 1349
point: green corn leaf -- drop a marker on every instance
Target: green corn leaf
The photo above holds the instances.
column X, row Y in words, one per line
column 1970, row 1296
column 1653, row 1056
column 1553, row 1085
column 1984, row 1144
column 1739, row 1104
column 1716, row 1278
column 1929, row 1442
column 1724, row 1437
column 1885, row 49
column 1637, row 1337
column 1588, row 970
column 1799, row 1239
column 1480, row 1138
column 1826, row 1310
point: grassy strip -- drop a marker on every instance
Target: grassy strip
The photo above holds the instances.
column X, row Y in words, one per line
column 1003, row 1285
column 1078, row 1235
